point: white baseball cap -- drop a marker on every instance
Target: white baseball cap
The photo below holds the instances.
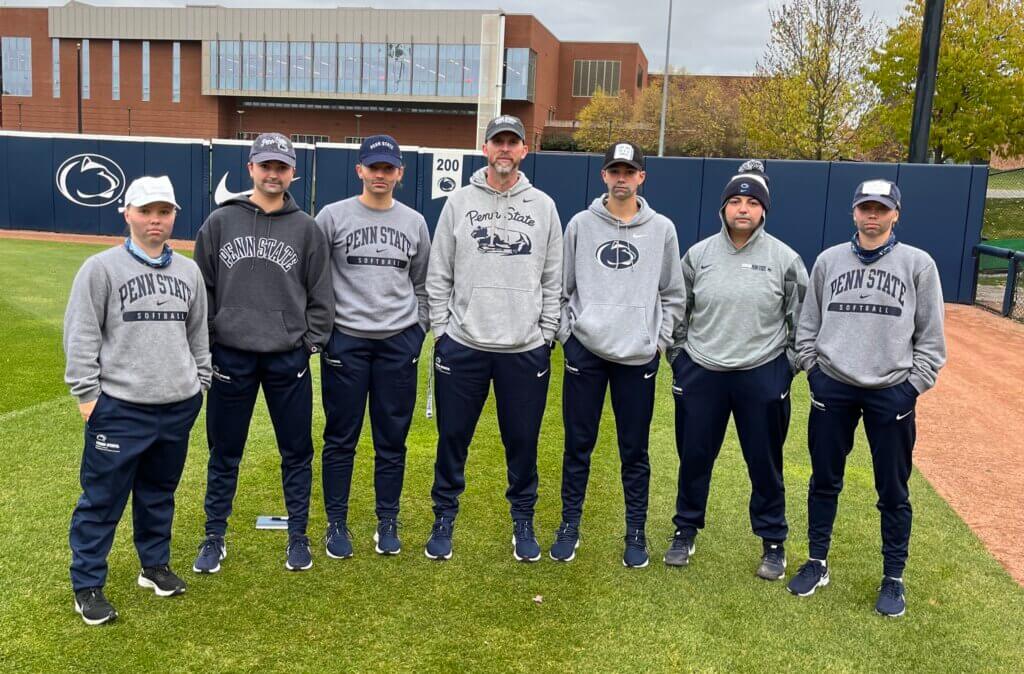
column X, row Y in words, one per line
column 149, row 190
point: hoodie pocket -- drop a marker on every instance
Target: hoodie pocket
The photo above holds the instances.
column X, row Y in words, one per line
column 264, row 329
column 615, row 331
column 502, row 317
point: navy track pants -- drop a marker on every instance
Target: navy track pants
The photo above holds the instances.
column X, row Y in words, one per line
column 129, row 448
column 288, row 389
column 758, row 400
column 354, row 369
column 587, row 377
column 889, row 424
column 462, row 379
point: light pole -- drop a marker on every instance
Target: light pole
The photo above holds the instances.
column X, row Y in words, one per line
column 129, row 120
column 240, row 132
column 927, row 65
column 19, row 116
column 78, row 67
column 359, row 138
column 664, row 85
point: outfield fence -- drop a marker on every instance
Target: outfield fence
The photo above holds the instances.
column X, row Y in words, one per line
column 999, row 259
column 74, row 183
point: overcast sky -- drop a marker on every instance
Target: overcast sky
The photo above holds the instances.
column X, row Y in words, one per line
column 708, row 36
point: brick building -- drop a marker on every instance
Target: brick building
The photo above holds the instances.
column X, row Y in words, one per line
column 429, row 77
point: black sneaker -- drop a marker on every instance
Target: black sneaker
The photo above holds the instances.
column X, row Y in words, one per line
column 524, row 542
column 635, row 556
column 567, row 539
column 773, row 562
column 161, row 580
column 338, row 541
column 439, row 545
column 386, row 537
column 94, row 607
column 891, row 600
column 680, row 550
column 812, row 575
column 298, row 555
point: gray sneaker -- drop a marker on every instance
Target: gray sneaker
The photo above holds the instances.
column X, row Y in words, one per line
column 680, row 550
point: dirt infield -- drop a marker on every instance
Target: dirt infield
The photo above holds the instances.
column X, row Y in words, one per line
column 970, row 443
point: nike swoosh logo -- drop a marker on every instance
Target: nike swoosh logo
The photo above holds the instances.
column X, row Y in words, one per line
column 639, row 236
column 222, row 193
column 415, row 359
column 864, row 297
column 704, row 266
column 162, row 302
column 573, row 370
column 526, row 201
column 648, row 375
column 299, row 375
column 543, row 372
column 381, row 250
column 784, row 395
column 900, row 417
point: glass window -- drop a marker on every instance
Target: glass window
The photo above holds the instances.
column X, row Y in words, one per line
column 471, row 70
column 229, row 64
column 252, row 65
column 520, row 74
column 589, row 76
column 374, row 68
column 55, row 42
column 350, row 67
column 301, row 72
column 325, row 65
column 276, row 68
column 399, row 68
column 115, row 70
column 424, row 69
column 213, row 63
column 86, row 88
column 145, row 70
column 17, row 65
column 176, row 72
column 449, row 69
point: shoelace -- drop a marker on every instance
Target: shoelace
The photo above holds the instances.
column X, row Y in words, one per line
column 442, row 528
column 679, row 543
column 891, row 589
column 774, row 555
column 567, row 533
column 209, row 546
column 523, row 529
column 93, row 594
column 388, row 527
column 811, row 569
column 636, row 538
column 297, row 540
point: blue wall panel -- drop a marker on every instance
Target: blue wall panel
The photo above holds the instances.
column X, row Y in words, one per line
column 229, row 162
column 717, row 173
column 31, row 187
column 174, row 160
column 77, row 166
column 564, row 178
column 595, row 184
column 798, row 193
column 972, row 231
column 673, row 187
column 336, row 177
column 843, row 180
column 5, row 199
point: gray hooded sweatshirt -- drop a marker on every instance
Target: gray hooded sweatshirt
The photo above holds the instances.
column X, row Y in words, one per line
column 874, row 325
column 622, row 289
column 743, row 303
column 495, row 272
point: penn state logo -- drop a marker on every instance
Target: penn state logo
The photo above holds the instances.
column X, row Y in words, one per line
column 90, row 180
column 744, row 186
column 446, row 184
column 617, row 254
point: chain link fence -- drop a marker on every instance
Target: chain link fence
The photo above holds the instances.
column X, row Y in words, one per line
column 1002, row 233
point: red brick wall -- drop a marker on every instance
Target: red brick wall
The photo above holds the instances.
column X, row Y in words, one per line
column 630, row 54
column 524, row 30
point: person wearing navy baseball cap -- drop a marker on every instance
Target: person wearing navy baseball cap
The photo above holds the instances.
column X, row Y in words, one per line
column 871, row 340
column 733, row 356
column 379, row 249
column 138, row 360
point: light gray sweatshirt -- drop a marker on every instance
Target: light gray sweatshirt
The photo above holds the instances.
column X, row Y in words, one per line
column 136, row 333
column 622, row 288
column 742, row 303
column 495, row 273
column 874, row 325
column 379, row 267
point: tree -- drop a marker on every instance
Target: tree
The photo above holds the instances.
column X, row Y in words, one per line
column 978, row 108
column 810, row 92
column 605, row 119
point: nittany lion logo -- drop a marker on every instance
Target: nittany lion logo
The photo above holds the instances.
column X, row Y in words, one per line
column 617, row 254
column 446, row 184
column 90, row 180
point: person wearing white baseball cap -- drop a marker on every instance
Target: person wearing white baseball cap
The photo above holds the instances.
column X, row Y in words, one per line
column 138, row 360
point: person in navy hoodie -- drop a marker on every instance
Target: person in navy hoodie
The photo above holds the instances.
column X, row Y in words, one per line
column 271, row 306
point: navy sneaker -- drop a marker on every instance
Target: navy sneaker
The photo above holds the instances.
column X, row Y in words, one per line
column 439, row 545
column 891, row 601
column 386, row 537
column 212, row 551
column 773, row 562
column 94, row 607
column 635, row 555
column 812, row 575
column 524, row 542
column 679, row 550
column 161, row 580
column 338, row 541
column 298, row 555
column 567, row 539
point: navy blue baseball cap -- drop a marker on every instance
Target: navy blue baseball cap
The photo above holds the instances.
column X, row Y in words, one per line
column 879, row 190
column 380, row 150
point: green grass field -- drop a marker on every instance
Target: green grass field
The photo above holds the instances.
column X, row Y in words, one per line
column 477, row 612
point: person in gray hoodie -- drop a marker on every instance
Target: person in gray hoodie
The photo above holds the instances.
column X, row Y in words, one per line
column 137, row 363
column 379, row 253
column 733, row 355
column 493, row 285
column 267, row 273
column 622, row 295
column 871, row 340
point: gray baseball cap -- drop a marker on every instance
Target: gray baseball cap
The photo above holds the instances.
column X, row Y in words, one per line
column 272, row 147
column 505, row 123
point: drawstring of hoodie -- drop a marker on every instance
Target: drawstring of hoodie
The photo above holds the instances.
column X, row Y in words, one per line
column 252, row 260
column 430, row 382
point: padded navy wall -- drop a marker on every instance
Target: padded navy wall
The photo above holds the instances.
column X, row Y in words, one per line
column 943, row 205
